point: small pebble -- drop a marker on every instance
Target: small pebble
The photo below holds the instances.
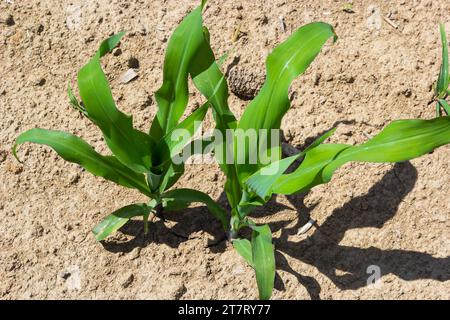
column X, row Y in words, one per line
column 133, row 63
column 37, row 81
column 2, row 155
column 64, row 274
column 128, row 76
column 74, row 178
column 40, row 29
column 117, row 52
column 7, row 19
column 135, row 253
column 127, row 280
column 317, row 77
column 14, row 168
column 407, row 92
column 282, row 23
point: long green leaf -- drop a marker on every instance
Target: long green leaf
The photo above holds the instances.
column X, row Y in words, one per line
column 173, row 173
column 76, row 150
column 306, row 175
column 168, row 146
column 208, row 78
column 263, row 258
column 244, row 248
column 444, row 104
column 130, row 146
column 190, row 196
column 118, row 218
column 400, row 141
column 443, row 79
column 284, row 64
column 172, row 97
column 262, row 181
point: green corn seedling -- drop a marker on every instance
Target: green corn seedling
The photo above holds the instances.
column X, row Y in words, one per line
column 144, row 161
column 139, row 160
column 249, row 185
column 441, row 89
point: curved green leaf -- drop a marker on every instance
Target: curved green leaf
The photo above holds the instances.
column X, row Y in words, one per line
column 262, row 181
column 174, row 204
column 444, row 104
column 131, row 147
column 263, row 258
column 443, row 79
column 118, row 218
column 171, row 176
column 173, row 173
column 284, row 64
column 73, row 149
column 400, row 141
column 189, row 196
column 306, row 175
column 244, row 248
column 208, row 79
column 169, row 145
column 172, row 97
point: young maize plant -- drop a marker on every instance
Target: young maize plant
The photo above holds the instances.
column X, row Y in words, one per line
column 146, row 161
column 252, row 184
column 140, row 160
column 441, row 89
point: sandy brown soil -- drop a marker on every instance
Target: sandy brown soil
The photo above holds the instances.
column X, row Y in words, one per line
column 392, row 216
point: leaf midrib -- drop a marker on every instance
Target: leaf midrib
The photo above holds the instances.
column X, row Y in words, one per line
column 285, row 68
column 363, row 148
column 103, row 108
column 103, row 162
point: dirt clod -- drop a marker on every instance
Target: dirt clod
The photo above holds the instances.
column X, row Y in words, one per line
column 74, row 178
column 37, row 80
column 127, row 280
column 7, row 19
column 117, row 52
column 244, row 83
column 135, row 253
column 133, row 63
column 14, row 167
column 407, row 92
column 3, row 154
column 64, row 274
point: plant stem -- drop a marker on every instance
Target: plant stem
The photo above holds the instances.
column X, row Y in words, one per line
column 146, row 224
column 231, row 235
column 235, row 225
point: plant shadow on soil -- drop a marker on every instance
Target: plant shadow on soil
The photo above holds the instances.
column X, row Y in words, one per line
column 321, row 249
column 373, row 209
